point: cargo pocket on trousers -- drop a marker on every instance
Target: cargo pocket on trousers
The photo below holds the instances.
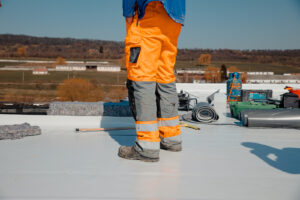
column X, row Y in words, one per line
column 134, row 54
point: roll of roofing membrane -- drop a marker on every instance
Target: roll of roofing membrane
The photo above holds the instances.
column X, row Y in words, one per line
column 275, row 118
column 204, row 112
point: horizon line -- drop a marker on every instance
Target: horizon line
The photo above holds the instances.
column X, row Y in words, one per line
column 182, row 48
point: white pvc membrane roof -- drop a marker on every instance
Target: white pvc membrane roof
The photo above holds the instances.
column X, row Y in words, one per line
column 218, row 162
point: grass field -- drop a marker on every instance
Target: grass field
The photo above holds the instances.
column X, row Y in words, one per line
column 57, row 77
column 27, row 95
column 23, row 86
column 3, row 64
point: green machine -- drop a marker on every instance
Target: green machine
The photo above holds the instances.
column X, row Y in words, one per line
column 237, row 107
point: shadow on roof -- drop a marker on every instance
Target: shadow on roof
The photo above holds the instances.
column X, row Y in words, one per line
column 122, row 137
column 286, row 159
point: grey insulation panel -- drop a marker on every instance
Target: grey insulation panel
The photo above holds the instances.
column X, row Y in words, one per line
column 118, row 109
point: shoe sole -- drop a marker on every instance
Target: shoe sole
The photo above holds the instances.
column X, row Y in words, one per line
column 139, row 157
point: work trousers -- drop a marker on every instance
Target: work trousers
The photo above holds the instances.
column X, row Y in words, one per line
column 150, row 49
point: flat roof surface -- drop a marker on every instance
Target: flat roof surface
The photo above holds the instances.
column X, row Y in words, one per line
column 217, row 162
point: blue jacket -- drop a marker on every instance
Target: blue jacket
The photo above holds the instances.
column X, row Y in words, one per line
column 174, row 8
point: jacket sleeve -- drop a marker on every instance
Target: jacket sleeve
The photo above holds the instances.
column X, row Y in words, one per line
column 129, row 8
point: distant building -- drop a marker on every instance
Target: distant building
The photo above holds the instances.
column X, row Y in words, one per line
column 190, row 75
column 109, row 68
column 260, row 73
column 89, row 66
column 199, row 81
column 190, row 71
column 40, row 71
column 17, row 68
column 276, row 79
column 71, row 67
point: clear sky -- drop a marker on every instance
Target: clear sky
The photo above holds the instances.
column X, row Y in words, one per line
column 233, row 24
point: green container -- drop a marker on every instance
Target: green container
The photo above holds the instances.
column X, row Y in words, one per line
column 237, row 107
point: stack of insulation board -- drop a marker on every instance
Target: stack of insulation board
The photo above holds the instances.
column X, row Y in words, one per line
column 90, row 109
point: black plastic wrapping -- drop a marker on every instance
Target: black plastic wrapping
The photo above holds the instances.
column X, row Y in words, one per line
column 275, row 118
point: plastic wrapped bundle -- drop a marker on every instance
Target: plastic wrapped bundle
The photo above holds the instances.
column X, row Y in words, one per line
column 18, row 131
column 275, row 118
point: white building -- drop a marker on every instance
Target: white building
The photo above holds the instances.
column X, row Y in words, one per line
column 40, row 71
column 190, row 71
column 105, row 68
column 89, row 66
column 260, row 73
column 275, row 79
column 71, row 67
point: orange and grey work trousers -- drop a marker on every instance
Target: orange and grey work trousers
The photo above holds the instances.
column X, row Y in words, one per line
column 150, row 49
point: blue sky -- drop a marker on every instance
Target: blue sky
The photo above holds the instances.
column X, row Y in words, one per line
column 232, row 24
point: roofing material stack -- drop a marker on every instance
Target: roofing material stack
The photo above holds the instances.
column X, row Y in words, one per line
column 120, row 109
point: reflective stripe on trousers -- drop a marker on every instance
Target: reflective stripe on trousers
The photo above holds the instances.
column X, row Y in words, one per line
column 154, row 107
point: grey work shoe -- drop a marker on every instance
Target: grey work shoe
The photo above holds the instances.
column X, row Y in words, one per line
column 171, row 147
column 128, row 152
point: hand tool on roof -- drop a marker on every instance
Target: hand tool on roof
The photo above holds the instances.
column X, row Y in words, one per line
column 126, row 128
column 102, row 129
column 182, row 124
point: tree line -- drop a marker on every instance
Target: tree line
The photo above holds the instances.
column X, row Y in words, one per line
column 12, row 46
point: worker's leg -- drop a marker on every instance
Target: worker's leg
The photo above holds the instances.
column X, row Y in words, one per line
column 167, row 98
column 142, row 104
column 142, row 50
column 168, row 120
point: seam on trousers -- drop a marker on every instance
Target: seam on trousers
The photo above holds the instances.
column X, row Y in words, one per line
column 131, row 98
column 158, row 102
column 168, row 100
